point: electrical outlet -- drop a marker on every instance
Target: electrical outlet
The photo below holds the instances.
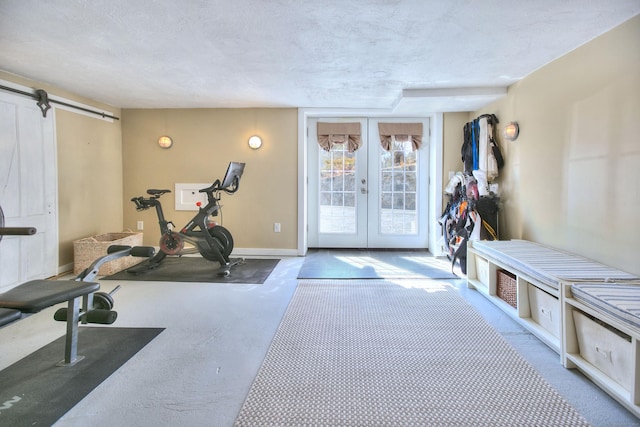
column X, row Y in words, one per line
column 276, row 227
column 140, row 225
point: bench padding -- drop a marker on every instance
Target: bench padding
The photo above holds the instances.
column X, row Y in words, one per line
column 620, row 301
column 549, row 265
column 35, row 295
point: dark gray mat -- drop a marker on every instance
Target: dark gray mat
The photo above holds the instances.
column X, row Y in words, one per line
column 198, row 269
column 36, row 392
column 372, row 264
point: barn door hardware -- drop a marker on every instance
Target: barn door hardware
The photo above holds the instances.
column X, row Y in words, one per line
column 44, row 102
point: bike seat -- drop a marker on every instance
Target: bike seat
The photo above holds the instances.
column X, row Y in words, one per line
column 154, row 192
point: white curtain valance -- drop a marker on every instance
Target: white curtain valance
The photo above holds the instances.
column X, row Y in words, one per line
column 330, row 134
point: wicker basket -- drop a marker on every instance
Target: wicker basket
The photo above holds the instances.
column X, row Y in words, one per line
column 87, row 250
column 507, row 288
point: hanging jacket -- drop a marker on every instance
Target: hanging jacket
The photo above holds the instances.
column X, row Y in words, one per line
column 480, row 151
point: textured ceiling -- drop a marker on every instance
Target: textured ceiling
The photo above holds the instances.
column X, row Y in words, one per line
column 281, row 53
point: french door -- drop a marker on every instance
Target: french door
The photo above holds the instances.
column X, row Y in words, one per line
column 369, row 198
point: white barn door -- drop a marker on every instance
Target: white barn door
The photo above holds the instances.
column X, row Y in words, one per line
column 28, row 191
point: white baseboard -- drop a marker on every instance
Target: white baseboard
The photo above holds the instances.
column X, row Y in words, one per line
column 65, row 268
column 264, row 252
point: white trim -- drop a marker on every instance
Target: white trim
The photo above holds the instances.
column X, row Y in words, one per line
column 55, row 106
column 435, row 183
column 464, row 92
column 56, row 197
column 67, row 268
column 302, row 182
column 263, row 252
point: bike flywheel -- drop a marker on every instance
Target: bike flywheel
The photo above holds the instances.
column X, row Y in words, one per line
column 171, row 243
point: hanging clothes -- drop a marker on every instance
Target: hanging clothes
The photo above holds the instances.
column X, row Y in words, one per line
column 480, row 149
column 472, row 210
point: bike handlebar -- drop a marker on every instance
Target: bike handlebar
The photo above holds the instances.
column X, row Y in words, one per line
column 215, row 187
column 142, row 203
column 212, row 188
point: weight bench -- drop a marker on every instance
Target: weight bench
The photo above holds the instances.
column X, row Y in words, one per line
column 36, row 295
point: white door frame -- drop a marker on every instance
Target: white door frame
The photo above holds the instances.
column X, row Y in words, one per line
column 435, row 168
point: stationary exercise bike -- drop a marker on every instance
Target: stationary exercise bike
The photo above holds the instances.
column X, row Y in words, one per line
column 212, row 241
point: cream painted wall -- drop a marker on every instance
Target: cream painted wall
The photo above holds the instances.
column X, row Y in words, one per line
column 89, row 155
column 453, row 136
column 205, row 141
column 89, row 179
column 572, row 178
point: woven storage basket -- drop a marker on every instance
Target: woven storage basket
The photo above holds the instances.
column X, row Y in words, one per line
column 507, row 288
column 87, row 250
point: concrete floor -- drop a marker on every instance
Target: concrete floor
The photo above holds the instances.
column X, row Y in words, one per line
column 199, row 370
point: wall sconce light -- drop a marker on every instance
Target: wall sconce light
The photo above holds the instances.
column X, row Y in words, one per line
column 511, row 131
column 165, row 141
column 255, row 142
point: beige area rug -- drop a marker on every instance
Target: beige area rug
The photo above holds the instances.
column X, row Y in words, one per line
column 395, row 353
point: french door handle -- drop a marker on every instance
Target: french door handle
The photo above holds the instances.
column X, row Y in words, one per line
column 363, row 190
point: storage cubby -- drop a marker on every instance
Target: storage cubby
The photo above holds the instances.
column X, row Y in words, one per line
column 603, row 348
column 537, row 304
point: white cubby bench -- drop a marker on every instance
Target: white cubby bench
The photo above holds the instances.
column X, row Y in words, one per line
column 539, row 272
column 543, row 301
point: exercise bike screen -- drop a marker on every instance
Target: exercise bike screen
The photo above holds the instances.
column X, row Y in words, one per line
column 234, row 170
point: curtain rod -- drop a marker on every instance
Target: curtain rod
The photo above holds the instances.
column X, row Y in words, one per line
column 43, row 101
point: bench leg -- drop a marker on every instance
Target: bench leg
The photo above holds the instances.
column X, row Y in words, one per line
column 71, row 342
column 87, row 304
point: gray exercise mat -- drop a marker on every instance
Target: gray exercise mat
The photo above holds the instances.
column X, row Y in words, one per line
column 36, row 392
column 198, row 269
column 373, row 264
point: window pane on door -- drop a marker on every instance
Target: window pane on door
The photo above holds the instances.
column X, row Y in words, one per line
column 398, row 196
column 337, row 190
